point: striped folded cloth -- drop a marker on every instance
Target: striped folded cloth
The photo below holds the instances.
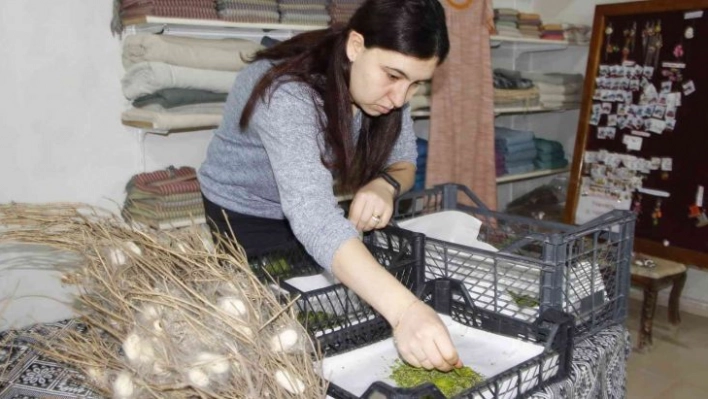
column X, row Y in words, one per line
column 164, row 182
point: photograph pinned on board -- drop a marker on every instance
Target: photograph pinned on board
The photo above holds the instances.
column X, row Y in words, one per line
column 689, row 88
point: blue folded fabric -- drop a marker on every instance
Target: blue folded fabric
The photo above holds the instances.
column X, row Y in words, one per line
column 547, row 146
column 556, row 164
column 506, row 149
column 506, row 136
column 526, row 155
column 524, row 168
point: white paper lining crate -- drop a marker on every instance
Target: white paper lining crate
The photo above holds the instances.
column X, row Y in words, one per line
column 526, row 356
column 518, row 266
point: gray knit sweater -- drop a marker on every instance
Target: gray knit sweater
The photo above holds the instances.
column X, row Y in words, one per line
column 272, row 169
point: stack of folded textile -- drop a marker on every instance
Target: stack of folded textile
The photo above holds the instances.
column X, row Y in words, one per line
column 511, row 90
column 341, row 10
column 421, row 99
column 253, row 11
column 164, row 199
column 421, row 164
column 304, row 12
column 550, row 154
column 558, row 90
column 515, row 151
column 579, row 34
column 196, row 9
column 506, row 22
column 529, row 25
column 552, row 32
column 553, row 90
column 179, row 82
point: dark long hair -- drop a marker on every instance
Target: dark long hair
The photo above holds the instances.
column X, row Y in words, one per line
column 414, row 28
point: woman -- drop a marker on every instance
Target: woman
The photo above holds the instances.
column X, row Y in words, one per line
column 329, row 106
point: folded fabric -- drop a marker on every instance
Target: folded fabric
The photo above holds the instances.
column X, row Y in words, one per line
column 515, row 148
column 201, row 109
column 555, row 164
column 545, row 146
column 166, row 181
column 550, row 77
column 560, row 105
column 568, row 88
column 149, row 77
column 169, row 121
column 509, row 136
column 169, row 11
column 561, row 98
column 550, row 156
column 526, row 155
column 518, row 169
column 192, row 3
column 505, row 81
column 169, row 98
column 418, row 102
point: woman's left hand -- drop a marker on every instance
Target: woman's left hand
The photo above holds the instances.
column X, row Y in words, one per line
column 372, row 205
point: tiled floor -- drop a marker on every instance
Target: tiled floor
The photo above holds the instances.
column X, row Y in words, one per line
column 675, row 367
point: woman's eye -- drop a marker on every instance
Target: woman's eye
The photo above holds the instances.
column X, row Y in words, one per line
column 393, row 77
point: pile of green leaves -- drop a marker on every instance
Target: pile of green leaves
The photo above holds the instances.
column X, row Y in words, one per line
column 449, row 383
column 523, row 300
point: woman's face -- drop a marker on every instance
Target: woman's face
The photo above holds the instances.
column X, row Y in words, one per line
column 382, row 80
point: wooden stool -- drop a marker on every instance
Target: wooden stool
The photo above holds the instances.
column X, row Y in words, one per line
column 664, row 274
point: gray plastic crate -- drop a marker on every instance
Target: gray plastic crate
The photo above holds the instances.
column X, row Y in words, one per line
column 580, row 270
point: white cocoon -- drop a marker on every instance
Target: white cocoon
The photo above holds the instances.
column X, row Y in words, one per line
column 232, row 305
column 116, row 257
column 198, row 378
column 284, row 341
column 138, row 350
column 213, row 362
column 133, row 247
column 289, row 382
column 123, row 387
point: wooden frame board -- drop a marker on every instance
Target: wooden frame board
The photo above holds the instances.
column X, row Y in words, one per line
column 642, row 139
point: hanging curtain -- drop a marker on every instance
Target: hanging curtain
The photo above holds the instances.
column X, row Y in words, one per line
column 461, row 144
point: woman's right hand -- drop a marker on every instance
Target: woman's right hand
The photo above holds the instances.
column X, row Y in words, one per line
column 423, row 340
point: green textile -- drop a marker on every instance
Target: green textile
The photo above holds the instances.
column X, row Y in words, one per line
column 170, row 98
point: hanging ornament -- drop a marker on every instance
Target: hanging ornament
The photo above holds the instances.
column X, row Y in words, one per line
column 688, row 34
column 656, row 214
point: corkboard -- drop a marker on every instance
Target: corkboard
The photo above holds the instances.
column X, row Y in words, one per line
column 655, row 159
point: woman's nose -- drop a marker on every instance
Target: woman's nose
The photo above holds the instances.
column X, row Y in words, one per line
column 398, row 95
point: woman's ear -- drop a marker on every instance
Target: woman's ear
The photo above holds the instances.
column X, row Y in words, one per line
column 355, row 45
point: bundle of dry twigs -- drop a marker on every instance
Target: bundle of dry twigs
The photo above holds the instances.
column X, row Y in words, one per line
column 167, row 315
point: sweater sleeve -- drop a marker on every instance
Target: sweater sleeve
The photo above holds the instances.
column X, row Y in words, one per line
column 405, row 149
column 288, row 126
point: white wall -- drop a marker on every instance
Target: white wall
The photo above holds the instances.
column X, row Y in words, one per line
column 60, row 133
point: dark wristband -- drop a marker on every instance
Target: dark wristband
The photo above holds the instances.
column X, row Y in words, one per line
column 390, row 180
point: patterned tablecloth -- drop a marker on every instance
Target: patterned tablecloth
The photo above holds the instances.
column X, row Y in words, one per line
column 598, row 368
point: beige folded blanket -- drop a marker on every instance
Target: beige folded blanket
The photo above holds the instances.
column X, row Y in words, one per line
column 568, row 88
column 148, row 77
column 169, row 121
column 199, row 108
column 218, row 54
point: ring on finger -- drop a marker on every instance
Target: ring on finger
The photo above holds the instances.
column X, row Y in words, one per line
column 376, row 219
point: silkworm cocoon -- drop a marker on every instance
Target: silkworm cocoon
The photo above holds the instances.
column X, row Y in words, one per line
column 213, row 362
column 181, row 247
column 116, row 257
column 289, row 382
column 245, row 330
column 150, row 312
column 137, row 349
column 198, row 378
column 96, row 375
column 284, row 341
column 123, row 387
column 133, row 247
column 232, row 305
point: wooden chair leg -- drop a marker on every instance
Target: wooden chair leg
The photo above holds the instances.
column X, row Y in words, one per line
column 674, row 297
column 647, row 318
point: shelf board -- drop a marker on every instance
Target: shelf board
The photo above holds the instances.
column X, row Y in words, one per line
column 531, row 175
column 217, row 23
column 528, row 40
column 526, row 110
column 147, row 127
